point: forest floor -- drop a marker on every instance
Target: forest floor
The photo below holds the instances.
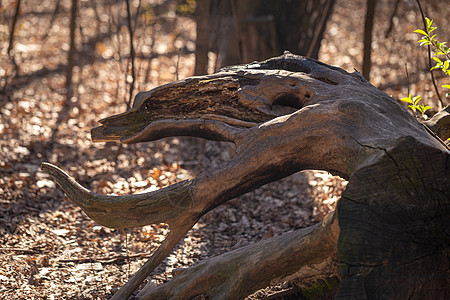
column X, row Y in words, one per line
column 49, row 249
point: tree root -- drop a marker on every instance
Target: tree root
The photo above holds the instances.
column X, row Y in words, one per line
column 304, row 254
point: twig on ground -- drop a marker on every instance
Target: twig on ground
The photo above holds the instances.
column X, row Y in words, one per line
column 23, row 250
column 104, row 260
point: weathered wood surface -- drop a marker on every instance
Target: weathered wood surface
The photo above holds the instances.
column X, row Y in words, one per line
column 394, row 221
column 288, row 114
column 440, row 124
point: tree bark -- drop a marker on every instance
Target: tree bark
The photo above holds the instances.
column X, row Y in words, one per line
column 390, row 235
column 394, row 239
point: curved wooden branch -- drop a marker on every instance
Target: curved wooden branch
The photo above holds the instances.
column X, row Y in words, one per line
column 166, row 205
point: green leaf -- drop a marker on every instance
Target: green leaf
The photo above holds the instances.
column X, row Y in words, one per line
column 407, row 99
column 437, row 59
column 447, row 86
column 416, row 100
column 421, row 32
column 425, row 108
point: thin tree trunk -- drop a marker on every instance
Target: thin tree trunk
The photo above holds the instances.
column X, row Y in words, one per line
column 13, row 27
column 72, row 50
column 132, row 55
column 368, row 28
column 52, row 20
column 314, row 47
column 69, row 70
column 391, row 19
column 202, row 41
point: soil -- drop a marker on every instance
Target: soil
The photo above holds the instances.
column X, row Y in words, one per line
column 49, row 248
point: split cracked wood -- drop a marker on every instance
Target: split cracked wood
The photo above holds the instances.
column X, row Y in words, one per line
column 390, row 236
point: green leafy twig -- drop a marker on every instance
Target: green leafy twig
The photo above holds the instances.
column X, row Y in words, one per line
column 415, row 106
column 440, row 48
column 426, row 26
column 443, row 63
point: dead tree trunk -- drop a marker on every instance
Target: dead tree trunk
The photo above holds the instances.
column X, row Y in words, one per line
column 389, row 237
column 258, row 29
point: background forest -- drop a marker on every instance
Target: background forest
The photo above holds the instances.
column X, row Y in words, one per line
column 63, row 67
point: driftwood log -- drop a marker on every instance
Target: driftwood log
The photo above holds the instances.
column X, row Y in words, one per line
column 389, row 237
